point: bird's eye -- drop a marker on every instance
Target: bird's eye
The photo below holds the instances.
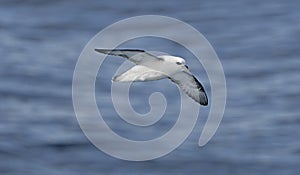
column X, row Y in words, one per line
column 178, row 63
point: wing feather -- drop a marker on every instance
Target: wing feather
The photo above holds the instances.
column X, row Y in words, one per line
column 134, row 55
column 191, row 86
column 139, row 73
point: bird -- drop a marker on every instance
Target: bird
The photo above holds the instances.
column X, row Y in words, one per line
column 149, row 67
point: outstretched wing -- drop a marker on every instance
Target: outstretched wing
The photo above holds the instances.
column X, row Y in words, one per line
column 139, row 73
column 134, row 55
column 191, row 86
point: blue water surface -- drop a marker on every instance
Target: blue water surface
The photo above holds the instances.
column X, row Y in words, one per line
column 256, row 41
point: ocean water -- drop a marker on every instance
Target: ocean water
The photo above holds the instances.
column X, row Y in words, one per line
column 256, row 41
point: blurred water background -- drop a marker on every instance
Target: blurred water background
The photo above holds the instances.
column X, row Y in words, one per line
column 256, row 41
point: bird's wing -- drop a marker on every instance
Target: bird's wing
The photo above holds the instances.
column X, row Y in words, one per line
column 139, row 73
column 134, row 55
column 191, row 86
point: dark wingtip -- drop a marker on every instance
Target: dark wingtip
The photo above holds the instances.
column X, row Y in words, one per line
column 204, row 102
column 100, row 50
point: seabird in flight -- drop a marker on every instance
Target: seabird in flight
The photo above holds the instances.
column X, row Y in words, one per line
column 149, row 68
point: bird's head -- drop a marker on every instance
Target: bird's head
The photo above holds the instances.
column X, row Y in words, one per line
column 181, row 61
column 178, row 61
column 173, row 59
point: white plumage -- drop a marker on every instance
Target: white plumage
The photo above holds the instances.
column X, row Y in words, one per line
column 149, row 68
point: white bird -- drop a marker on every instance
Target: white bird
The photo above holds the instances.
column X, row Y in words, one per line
column 149, row 67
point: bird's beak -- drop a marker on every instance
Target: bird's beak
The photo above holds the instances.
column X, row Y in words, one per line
column 187, row 67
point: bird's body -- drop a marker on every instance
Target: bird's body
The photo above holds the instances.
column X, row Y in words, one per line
column 149, row 68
